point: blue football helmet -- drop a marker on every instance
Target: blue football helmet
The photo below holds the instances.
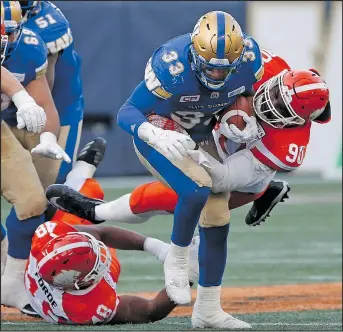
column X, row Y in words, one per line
column 11, row 21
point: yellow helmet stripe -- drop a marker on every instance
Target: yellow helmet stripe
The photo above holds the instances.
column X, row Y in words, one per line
column 221, row 35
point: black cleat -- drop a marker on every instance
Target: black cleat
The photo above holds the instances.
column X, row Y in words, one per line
column 276, row 192
column 28, row 310
column 93, row 152
column 69, row 200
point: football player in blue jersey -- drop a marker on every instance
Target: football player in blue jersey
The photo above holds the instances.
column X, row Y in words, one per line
column 190, row 79
column 24, row 55
column 29, row 115
column 64, row 78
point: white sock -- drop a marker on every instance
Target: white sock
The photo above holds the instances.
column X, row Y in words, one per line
column 15, row 267
column 156, row 247
column 4, row 249
column 179, row 252
column 79, row 173
column 119, row 211
column 208, row 299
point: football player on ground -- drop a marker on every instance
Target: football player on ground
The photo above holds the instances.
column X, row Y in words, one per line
column 23, row 54
column 189, row 79
column 72, row 276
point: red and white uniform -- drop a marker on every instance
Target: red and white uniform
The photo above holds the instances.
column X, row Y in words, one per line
column 252, row 168
column 96, row 304
column 280, row 149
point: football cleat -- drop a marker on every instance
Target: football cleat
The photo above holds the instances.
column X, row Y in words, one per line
column 176, row 274
column 69, row 200
column 93, row 152
column 217, row 320
column 276, row 192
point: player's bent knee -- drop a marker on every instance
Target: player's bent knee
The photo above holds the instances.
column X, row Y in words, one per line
column 91, row 188
column 30, row 207
column 151, row 197
column 216, row 212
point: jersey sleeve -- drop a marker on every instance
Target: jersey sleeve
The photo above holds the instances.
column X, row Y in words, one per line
column 166, row 69
column 133, row 113
column 35, row 54
column 253, row 55
column 273, row 65
column 53, row 28
column 97, row 306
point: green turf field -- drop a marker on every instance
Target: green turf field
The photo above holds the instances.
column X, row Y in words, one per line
column 300, row 243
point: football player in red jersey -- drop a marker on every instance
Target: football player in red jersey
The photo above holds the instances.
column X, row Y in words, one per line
column 72, row 275
column 285, row 103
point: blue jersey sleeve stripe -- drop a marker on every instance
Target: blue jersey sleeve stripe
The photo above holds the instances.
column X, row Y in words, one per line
column 8, row 14
column 221, row 35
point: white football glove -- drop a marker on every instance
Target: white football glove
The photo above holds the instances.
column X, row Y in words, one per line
column 173, row 144
column 239, row 136
column 49, row 148
column 29, row 114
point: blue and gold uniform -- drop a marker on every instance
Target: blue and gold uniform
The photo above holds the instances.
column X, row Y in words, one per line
column 25, row 56
column 171, row 89
column 190, row 79
column 27, row 62
column 47, row 20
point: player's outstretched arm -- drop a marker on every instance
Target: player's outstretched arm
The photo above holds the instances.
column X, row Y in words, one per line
column 123, row 239
column 39, row 90
column 29, row 114
column 138, row 310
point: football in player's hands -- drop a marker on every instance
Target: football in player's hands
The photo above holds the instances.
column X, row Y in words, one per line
column 165, row 123
column 231, row 115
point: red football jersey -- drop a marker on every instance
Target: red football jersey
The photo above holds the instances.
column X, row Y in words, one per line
column 280, row 149
column 96, row 304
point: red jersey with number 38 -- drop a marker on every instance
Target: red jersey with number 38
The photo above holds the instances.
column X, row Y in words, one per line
column 96, row 304
column 280, row 149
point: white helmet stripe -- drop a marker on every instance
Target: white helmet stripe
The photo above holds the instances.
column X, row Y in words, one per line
column 308, row 87
column 62, row 249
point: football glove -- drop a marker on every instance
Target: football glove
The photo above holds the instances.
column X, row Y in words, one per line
column 173, row 145
column 246, row 135
column 29, row 114
column 49, row 148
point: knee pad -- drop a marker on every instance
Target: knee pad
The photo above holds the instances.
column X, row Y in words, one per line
column 153, row 196
column 216, row 211
column 30, row 206
column 91, row 188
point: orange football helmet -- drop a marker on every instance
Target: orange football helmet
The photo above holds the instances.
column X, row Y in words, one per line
column 74, row 260
column 292, row 98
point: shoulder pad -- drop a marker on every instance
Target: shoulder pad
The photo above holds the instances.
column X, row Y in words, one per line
column 273, row 65
column 53, row 28
column 253, row 56
column 167, row 67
